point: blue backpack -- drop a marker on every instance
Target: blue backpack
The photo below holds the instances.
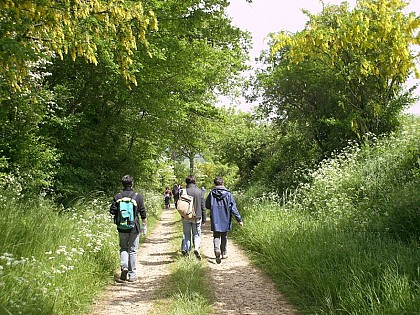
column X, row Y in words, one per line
column 126, row 210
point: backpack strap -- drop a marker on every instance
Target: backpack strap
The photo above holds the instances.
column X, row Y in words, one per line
column 130, row 196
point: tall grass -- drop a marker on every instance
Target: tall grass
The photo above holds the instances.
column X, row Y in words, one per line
column 348, row 242
column 55, row 261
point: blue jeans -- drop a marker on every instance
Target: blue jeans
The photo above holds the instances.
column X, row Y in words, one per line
column 189, row 226
column 129, row 244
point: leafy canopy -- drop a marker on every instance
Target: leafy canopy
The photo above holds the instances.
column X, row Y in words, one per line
column 368, row 48
column 30, row 30
column 377, row 29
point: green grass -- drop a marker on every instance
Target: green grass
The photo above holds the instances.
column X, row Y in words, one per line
column 55, row 261
column 349, row 242
column 187, row 291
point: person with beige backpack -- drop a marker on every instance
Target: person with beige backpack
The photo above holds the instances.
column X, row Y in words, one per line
column 191, row 207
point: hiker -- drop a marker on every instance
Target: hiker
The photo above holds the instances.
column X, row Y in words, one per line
column 175, row 193
column 168, row 197
column 222, row 205
column 129, row 234
column 193, row 225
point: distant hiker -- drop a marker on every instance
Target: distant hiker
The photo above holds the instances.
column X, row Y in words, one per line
column 128, row 226
column 193, row 225
column 168, row 197
column 175, row 193
column 222, row 205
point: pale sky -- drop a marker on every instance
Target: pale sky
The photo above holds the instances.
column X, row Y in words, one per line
column 264, row 16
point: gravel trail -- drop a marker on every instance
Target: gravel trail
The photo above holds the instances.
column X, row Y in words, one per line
column 240, row 288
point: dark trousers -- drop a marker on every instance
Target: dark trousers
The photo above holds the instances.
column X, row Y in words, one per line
column 220, row 241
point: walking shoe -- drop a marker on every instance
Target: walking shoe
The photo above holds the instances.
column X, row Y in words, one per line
column 184, row 253
column 224, row 255
column 197, row 254
column 124, row 273
column 218, row 259
column 132, row 280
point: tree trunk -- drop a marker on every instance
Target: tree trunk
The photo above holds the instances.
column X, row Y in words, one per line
column 191, row 157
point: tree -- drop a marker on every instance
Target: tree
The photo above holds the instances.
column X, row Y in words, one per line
column 33, row 30
column 369, row 51
column 306, row 95
column 112, row 128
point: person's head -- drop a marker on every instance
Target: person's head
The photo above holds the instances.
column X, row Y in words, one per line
column 218, row 181
column 127, row 181
column 190, row 179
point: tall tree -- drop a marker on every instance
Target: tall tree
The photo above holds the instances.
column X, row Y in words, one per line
column 368, row 49
column 305, row 95
column 196, row 52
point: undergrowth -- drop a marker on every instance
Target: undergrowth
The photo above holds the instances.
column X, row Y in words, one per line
column 348, row 242
column 55, row 260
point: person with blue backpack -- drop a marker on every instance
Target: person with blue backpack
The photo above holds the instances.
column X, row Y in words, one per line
column 126, row 208
column 222, row 206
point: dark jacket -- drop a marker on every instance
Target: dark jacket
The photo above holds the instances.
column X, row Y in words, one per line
column 199, row 207
column 140, row 210
column 222, row 205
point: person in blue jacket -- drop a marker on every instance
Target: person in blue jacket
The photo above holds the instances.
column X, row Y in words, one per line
column 222, row 206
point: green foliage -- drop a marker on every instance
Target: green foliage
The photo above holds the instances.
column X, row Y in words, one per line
column 370, row 186
column 347, row 241
column 267, row 156
column 187, row 289
column 207, row 171
column 56, row 260
column 33, row 30
column 29, row 154
column 306, row 98
column 241, row 142
column 344, row 73
column 336, row 81
column 285, row 161
column 74, row 126
column 64, row 257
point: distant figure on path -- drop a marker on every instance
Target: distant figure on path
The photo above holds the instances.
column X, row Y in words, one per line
column 175, row 193
column 222, row 205
column 168, row 197
column 129, row 236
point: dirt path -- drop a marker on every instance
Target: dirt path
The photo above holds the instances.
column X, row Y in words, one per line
column 153, row 259
column 240, row 288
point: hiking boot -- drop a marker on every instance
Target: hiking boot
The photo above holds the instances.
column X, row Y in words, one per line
column 224, row 255
column 184, row 252
column 197, row 254
column 218, row 259
column 124, row 273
